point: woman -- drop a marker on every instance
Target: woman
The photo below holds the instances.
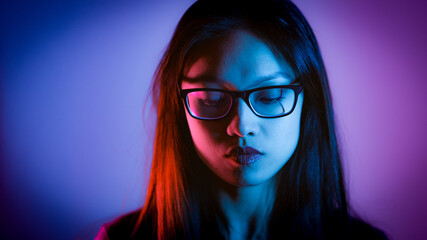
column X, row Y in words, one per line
column 245, row 145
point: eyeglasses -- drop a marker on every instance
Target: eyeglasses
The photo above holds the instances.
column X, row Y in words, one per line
column 265, row 102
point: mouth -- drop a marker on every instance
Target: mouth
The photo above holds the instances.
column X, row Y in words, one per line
column 244, row 156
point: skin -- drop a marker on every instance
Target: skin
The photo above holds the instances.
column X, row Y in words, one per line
column 241, row 61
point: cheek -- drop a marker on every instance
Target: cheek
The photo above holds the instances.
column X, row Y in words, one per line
column 284, row 135
column 205, row 134
column 284, row 132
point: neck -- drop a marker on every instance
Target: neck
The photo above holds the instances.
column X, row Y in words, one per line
column 247, row 208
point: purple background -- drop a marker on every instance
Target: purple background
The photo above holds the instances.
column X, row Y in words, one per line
column 74, row 77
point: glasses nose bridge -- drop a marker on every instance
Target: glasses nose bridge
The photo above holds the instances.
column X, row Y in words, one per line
column 243, row 95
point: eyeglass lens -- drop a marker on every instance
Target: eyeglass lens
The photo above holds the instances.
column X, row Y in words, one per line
column 209, row 104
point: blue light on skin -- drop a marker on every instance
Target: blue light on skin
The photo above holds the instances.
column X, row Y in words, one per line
column 240, row 61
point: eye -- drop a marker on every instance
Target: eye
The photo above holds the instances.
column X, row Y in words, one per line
column 210, row 102
column 211, row 99
column 269, row 96
column 269, row 100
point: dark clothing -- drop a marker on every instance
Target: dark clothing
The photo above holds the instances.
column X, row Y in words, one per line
column 122, row 228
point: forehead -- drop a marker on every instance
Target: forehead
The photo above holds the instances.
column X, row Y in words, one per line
column 238, row 61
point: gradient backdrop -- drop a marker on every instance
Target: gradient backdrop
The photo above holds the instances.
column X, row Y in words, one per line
column 74, row 78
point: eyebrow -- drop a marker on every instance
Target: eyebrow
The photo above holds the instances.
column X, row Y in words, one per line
column 259, row 81
column 273, row 76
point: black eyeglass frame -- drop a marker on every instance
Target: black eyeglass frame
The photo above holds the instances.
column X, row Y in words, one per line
column 242, row 94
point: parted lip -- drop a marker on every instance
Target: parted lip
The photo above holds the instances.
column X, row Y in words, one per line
column 239, row 151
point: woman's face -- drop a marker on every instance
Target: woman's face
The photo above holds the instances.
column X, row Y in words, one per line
column 242, row 148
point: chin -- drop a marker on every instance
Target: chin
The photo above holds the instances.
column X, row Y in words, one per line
column 250, row 181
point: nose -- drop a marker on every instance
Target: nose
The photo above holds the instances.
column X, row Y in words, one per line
column 243, row 122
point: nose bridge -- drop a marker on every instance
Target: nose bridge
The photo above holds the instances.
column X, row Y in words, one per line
column 242, row 107
column 243, row 120
column 241, row 101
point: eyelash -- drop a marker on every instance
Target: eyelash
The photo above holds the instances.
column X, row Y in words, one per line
column 270, row 100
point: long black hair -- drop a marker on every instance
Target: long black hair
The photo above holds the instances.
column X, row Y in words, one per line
column 311, row 198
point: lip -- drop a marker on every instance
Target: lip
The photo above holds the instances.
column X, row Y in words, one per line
column 244, row 156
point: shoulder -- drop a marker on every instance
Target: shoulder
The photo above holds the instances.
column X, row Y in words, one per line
column 359, row 229
column 123, row 228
